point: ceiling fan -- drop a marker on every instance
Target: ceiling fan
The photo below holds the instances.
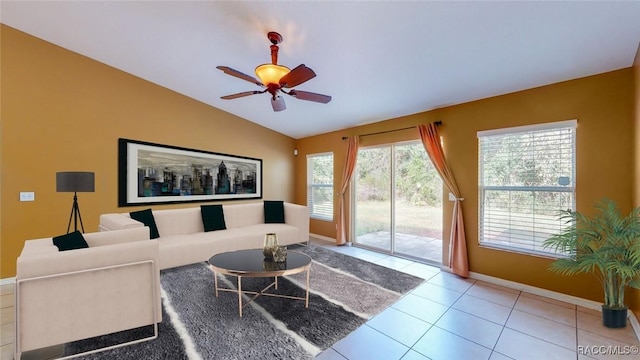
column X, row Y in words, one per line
column 276, row 78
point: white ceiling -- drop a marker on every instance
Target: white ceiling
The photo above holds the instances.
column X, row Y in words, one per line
column 378, row 60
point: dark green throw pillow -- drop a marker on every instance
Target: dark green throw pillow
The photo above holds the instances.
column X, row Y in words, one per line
column 274, row 212
column 70, row 241
column 146, row 217
column 212, row 217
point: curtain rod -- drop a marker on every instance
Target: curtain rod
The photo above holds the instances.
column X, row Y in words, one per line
column 438, row 123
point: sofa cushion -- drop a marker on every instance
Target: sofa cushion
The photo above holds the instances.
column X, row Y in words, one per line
column 146, row 217
column 70, row 241
column 273, row 212
column 179, row 221
column 240, row 215
column 212, row 217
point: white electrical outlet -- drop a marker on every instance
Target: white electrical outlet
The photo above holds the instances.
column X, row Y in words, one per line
column 27, row 196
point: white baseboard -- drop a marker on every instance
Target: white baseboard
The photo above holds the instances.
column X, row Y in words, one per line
column 323, row 238
column 589, row 304
column 8, row 281
column 635, row 325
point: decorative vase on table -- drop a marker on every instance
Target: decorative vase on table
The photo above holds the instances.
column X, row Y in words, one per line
column 270, row 245
column 280, row 254
column 273, row 265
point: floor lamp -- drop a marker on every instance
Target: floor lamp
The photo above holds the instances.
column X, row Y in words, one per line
column 75, row 182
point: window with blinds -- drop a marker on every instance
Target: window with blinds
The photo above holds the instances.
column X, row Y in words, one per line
column 526, row 175
column 320, row 186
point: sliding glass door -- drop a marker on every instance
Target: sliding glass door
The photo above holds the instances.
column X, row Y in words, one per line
column 398, row 201
column 373, row 198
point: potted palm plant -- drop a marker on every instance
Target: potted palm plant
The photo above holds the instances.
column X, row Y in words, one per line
column 606, row 245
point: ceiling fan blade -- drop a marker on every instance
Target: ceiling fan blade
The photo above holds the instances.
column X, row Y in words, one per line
column 305, row 95
column 242, row 94
column 277, row 103
column 297, row 76
column 229, row 71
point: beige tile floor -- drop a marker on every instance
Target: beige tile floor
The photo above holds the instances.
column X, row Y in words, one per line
column 447, row 318
column 6, row 321
column 452, row 318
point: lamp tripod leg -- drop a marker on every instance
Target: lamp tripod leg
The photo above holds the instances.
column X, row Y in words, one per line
column 75, row 215
column 77, row 207
column 70, row 217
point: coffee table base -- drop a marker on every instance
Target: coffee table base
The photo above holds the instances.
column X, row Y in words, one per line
column 262, row 292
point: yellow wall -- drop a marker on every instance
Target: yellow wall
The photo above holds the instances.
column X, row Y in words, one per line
column 64, row 112
column 603, row 106
column 634, row 295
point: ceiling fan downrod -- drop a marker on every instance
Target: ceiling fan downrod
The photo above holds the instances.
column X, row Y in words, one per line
column 275, row 39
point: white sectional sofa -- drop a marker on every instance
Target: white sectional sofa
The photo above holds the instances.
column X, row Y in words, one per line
column 114, row 284
column 63, row 296
column 183, row 240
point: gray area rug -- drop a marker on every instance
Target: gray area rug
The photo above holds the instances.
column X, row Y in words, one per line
column 345, row 293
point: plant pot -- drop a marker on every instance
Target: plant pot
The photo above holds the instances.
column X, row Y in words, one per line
column 614, row 318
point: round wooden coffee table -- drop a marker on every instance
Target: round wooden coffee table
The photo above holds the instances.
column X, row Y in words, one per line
column 251, row 263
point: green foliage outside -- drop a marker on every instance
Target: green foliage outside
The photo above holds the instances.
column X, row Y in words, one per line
column 418, row 191
column 374, row 216
column 321, row 192
column 417, row 182
column 541, row 160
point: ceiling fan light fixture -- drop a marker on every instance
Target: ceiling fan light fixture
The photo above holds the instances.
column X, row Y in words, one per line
column 271, row 73
column 277, row 103
column 276, row 78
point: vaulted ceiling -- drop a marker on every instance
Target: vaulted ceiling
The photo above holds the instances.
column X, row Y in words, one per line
column 378, row 60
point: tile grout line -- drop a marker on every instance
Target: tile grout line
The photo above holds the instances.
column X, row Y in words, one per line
column 575, row 314
column 512, row 308
column 390, row 306
column 505, row 322
column 449, row 308
column 535, row 337
column 604, row 336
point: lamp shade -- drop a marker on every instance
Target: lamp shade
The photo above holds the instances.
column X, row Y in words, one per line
column 271, row 73
column 75, row 181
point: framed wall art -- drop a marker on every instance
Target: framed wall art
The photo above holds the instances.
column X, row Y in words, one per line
column 151, row 173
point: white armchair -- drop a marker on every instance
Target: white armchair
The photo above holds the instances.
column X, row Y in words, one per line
column 63, row 296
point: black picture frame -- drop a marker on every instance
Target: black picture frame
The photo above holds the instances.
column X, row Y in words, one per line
column 150, row 173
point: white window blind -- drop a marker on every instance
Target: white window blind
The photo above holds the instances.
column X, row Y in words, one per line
column 526, row 174
column 320, row 186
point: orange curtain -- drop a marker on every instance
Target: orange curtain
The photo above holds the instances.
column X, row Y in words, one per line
column 458, row 262
column 349, row 167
